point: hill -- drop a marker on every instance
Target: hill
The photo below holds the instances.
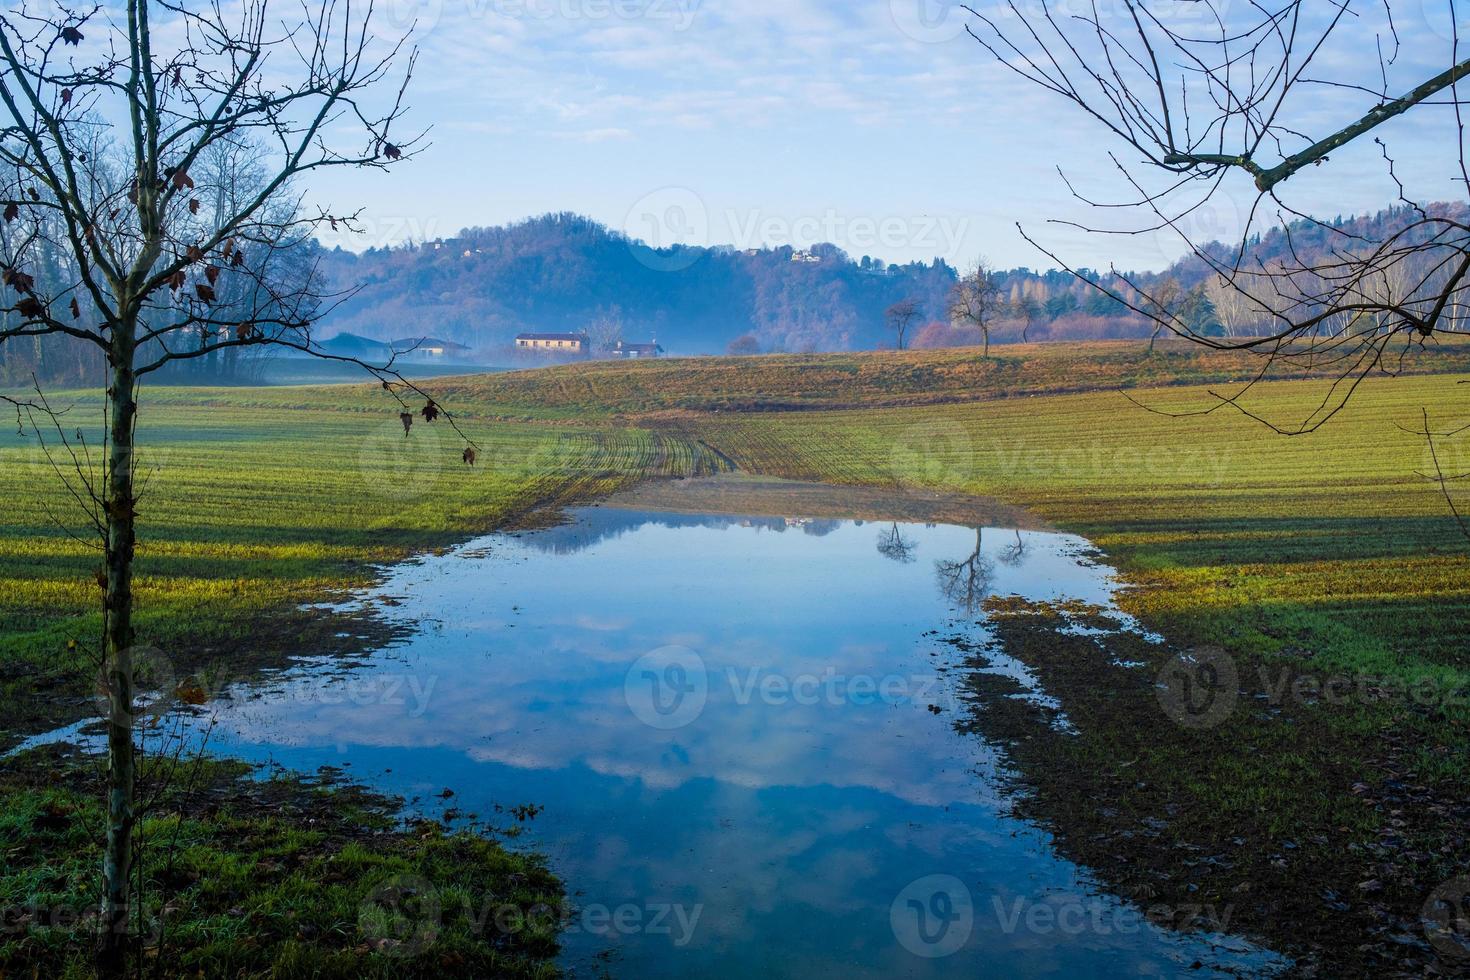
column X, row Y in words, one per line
column 563, row 272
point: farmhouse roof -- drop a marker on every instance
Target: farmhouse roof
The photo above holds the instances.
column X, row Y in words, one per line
column 551, row 336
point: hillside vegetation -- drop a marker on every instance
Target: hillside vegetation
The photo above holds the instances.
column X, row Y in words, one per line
column 559, row 272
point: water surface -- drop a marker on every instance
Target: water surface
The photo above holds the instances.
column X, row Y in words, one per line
column 740, row 733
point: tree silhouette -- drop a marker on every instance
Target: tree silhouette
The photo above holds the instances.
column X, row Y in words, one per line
column 132, row 230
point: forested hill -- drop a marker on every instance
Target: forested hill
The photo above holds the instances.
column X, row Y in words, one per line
column 563, row 272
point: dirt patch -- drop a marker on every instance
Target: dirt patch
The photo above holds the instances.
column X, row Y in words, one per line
column 1320, row 843
column 761, row 496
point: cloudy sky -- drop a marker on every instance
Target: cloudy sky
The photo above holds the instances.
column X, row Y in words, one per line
column 877, row 124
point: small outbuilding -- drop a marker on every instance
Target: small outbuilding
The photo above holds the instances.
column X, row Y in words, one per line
column 622, row 349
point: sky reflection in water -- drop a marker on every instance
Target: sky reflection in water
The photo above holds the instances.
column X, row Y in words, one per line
column 728, row 723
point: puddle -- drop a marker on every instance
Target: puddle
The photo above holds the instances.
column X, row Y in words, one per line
column 739, row 733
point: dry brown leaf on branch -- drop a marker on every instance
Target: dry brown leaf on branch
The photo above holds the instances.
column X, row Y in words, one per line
column 21, row 282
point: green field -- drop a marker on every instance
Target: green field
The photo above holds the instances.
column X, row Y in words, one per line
column 1324, row 553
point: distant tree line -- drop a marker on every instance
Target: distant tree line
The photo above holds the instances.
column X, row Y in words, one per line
column 563, row 272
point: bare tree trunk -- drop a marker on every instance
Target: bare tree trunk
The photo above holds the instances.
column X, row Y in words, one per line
column 118, row 663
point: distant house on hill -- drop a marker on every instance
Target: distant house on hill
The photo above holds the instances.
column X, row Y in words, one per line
column 361, row 348
column 622, row 349
column 427, row 348
column 554, row 343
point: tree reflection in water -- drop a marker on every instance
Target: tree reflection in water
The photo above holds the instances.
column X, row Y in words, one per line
column 966, row 583
column 894, row 546
column 1014, row 554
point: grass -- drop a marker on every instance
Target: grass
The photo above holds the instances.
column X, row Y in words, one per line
column 292, row 876
column 1320, row 555
column 805, row 382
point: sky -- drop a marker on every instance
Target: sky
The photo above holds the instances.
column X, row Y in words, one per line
column 879, row 125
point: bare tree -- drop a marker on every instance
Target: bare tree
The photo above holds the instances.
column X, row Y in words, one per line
column 900, row 317
column 744, row 346
column 1163, row 301
column 1236, row 314
column 605, row 330
column 116, row 122
column 1028, row 311
column 1216, row 101
column 975, row 300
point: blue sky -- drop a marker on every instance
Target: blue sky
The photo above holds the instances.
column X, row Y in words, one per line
column 877, row 124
